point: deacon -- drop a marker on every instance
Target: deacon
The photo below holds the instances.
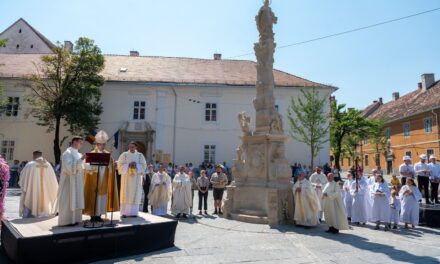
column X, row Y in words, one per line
column 333, row 207
column 39, row 187
column 104, row 184
column 132, row 166
column 307, row 204
column 182, row 194
column 160, row 191
column 318, row 180
column 70, row 198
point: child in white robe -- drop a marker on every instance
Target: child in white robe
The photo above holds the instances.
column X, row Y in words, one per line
column 380, row 194
column 410, row 196
column 395, row 209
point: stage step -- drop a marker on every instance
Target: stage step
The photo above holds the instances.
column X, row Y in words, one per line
column 252, row 212
column 250, row 218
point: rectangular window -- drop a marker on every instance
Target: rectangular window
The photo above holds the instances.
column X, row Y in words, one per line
column 7, row 149
column 211, row 112
column 139, row 110
column 277, row 108
column 387, row 133
column 428, row 125
column 408, row 153
column 367, row 162
column 209, row 154
column 406, row 130
column 349, row 162
column 12, row 106
column 429, row 152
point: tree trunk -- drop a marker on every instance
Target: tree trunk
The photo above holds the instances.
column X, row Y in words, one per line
column 56, row 141
column 312, row 157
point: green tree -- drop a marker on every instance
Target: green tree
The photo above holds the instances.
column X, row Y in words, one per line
column 309, row 121
column 344, row 124
column 377, row 137
column 66, row 90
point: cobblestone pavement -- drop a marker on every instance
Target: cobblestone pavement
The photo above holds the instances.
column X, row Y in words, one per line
column 212, row 239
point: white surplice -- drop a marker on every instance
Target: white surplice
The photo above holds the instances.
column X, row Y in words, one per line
column 333, row 207
column 360, row 206
column 307, row 204
column 318, row 181
column 381, row 204
column 70, row 198
column 131, row 181
column 160, row 193
column 410, row 205
column 348, row 198
column 39, row 187
column 182, row 194
column 395, row 208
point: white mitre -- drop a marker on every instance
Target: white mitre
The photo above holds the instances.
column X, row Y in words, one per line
column 101, row 137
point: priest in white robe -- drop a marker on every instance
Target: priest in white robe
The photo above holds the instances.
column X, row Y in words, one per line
column 39, row 187
column 104, row 184
column 182, row 194
column 70, row 198
column 132, row 167
column 410, row 197
column 160, row 194
column 333, row 207
column 380, row 193
column 307, row 202
column 360, row 191
column 318, row 181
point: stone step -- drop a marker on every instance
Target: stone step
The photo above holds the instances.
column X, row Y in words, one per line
column 252, row 212
column 250, row 218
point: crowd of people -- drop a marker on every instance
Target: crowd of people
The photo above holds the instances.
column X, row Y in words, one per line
column 367, row 199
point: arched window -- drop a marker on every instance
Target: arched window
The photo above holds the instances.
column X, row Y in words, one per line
column 18, row 46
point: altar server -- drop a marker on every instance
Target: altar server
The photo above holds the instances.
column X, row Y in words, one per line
column 348, row 198
column 307, row 202
column 182, row 194
column 380, row 193
column 160, row 191
column 132, row 167
column 39, row 187
column 410, row 198
column 395, row 208
column 360, row 192
column 106, row 186
column 318, row 181
column 333, row 207
column 70, row 197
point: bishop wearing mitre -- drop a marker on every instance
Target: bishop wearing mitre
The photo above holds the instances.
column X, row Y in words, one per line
column 307, row 203
column 39, row 187
column 70, row 197
column 132, row 167
column 100, row 191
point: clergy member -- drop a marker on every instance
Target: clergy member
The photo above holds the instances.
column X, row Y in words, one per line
column 307, row 204
column 104, row 184
column 70, row 198
column 318, row 180
column 131, row 166
column 39, row 187
column 333, row 207
column 160, row 191
column 182, row 194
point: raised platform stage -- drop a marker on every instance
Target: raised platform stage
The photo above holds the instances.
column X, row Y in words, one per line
column 39, row 240
column 430, row 215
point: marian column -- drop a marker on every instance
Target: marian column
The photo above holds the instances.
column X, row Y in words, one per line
column 261, row 191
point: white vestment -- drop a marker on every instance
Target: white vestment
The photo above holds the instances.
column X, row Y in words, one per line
column 395, row 210
column 410, row 205
column 360, row 206
column 182, row 194
column 39, row 187
column 381, row 204
column 160, row 195
column 348, row 198
column 333, row 207
column 131, row 181
column 318, row 182
column 307, row 204
column 70, row 198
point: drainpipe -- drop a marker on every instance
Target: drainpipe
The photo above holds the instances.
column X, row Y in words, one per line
column 174, row 125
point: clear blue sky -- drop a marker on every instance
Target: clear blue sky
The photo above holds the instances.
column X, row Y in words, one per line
column 365, row 65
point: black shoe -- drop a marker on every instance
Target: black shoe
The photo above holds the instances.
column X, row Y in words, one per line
column 377, row 227
column 335, row 231
column 99, row 219
column 185, row 216
column 200, row 212
column 220, row 212
column 215, row 212
column 178, row 215
column 394, row 226
column 330, row 230
column 123, row 216
column 206, row 212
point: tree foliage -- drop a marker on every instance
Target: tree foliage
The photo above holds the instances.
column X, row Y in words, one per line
column 377, row 137
column 309, row 121
column 66, row 90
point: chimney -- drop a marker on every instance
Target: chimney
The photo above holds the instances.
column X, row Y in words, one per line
column 134, row 53
column 375, row 101
column 428, row 80
column 380, row 100
column 217, row 56
column 68, row 45
column 396, row 96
